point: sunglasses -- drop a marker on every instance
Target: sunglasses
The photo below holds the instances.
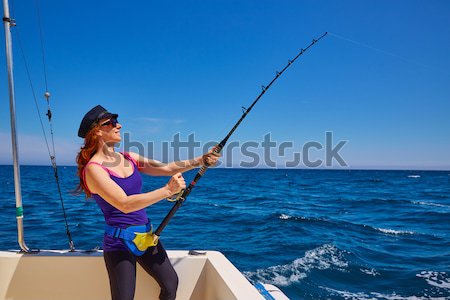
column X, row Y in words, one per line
column 112, row 121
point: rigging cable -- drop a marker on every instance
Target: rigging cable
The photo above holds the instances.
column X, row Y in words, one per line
column 49, row 115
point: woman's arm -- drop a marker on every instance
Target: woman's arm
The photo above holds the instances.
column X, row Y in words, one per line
column 100, row 183
column 157, row 168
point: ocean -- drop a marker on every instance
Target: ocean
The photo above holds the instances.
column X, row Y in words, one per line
column 316, row 234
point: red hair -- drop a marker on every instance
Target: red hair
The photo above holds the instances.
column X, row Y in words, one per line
column 87, row 151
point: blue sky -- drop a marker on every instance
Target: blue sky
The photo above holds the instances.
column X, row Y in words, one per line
column 381, row 82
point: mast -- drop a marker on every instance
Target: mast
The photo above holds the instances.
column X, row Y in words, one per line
column 8, row 23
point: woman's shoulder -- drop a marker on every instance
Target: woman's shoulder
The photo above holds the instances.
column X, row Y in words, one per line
column 134, row 157
column 131, row 154
column 95, row 160
column 95, row 164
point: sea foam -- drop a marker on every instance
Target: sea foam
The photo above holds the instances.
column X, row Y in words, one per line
column 395, row 232
column 324, row 257
column 285, row 217
column 429, row 204
column 372, row 272
column 437, row 279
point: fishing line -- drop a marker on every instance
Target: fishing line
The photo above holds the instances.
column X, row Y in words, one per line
column 378, row 50
column 41, row 38
column 181, row 197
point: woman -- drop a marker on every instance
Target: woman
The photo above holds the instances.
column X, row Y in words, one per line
column 113, row 180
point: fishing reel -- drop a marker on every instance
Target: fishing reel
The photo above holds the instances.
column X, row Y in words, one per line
column 176, row 197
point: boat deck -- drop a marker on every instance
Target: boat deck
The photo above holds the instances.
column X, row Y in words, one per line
column 62, row 275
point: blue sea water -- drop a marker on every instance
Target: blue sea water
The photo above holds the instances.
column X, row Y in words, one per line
column 316, row 234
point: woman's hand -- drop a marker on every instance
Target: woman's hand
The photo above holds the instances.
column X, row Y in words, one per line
column 210, row 159
column 176, row 184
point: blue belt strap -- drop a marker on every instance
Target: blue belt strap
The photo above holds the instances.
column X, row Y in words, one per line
column 126, row 233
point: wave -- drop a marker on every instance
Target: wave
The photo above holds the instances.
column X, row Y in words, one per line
column 324, row 257
column 289, row 217
column 389, row 231
column 374, row 202
column 376, row 295
column 342, row 223
column 437, row 279
column 392, row 231
column 388, row 202
column 327, row 221
column 413, row 176
column 430, row 204
column 436, row 195
column 372, row 272
column 285, row 217
column 370, row 180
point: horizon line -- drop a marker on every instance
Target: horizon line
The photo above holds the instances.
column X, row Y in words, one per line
column 285, row 168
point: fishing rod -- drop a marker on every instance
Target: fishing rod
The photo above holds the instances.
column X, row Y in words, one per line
column 181, row 197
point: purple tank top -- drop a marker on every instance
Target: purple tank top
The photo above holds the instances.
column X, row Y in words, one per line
column 131, row 185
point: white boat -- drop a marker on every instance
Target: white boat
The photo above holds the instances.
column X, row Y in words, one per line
column 58, row 274
column 62, row 275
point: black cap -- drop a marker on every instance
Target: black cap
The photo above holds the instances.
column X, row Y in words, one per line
column 91, row 117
